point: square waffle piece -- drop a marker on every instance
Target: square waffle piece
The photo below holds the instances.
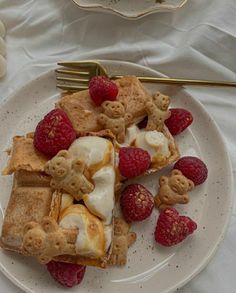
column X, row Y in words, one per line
column 134, row 103
column 30, row 200
column 45, row 220
column 23, row 156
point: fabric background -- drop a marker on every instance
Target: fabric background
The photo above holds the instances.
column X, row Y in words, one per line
column 198, row 41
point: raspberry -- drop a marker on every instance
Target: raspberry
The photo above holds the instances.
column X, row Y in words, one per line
column 136, row 203
column 133, row 161
column 54, row 133
column 193, row 168
column 102, row 89
column 179, row 120
column 67, row 274
column 172, row 228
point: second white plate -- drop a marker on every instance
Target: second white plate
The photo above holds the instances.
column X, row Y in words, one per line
column 130, row 9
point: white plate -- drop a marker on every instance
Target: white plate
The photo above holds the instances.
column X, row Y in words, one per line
column 130, row 9
column 150, row 267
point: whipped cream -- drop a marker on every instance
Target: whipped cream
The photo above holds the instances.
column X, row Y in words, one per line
column 101, row 200
column 91, row 237
column 99, row 156
column 154, row 142
column 93, row 150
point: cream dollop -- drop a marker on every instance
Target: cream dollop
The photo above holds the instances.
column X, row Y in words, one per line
column 154, row 142
column 101, row 200
column 91, row 237
column 95, row 151
column 99, row 156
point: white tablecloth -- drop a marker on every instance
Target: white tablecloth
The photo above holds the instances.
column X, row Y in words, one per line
column 198, row 41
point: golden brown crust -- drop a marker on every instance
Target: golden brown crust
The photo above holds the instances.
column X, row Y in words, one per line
column 81, row 110
column 133, row 94
column 78, row 259
column 55, row 207
column 24, row 156
column 27, row 178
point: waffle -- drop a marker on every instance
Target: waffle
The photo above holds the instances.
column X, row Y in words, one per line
column 83, row 113
column 34, row 205
column 23, row 156
column 30, row 200
column 133, row 94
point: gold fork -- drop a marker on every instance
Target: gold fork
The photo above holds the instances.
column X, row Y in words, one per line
column 75, row 76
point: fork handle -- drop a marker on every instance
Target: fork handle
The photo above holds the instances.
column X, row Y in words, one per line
column 180, row 81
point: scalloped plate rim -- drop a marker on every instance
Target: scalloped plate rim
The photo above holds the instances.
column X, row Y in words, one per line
column 102, row 8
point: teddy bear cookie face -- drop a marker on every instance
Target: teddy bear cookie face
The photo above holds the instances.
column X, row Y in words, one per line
column 34, row 240
column 120, row 227
column 68, row 174
column 114, row 118
column 113, row 109
column 173, row 189
column 46, row 240
column 179, row 183
column 59, row 166
column 161, row 101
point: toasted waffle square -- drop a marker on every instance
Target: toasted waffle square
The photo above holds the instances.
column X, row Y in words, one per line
column 84, row 114
column 23, row 156
column 26, row 203
column 133, row 94
column 81, row 111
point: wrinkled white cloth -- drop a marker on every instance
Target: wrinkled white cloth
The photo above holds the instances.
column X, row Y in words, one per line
column 197, row 41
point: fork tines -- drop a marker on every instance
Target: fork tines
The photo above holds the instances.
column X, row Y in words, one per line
column 73, row 77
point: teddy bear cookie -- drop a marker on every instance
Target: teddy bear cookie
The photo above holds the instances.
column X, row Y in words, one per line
column 157, row 111
column 68, row 174
column 114, row 118
column 173, row 189
column 47, row 240
column 122, row 240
